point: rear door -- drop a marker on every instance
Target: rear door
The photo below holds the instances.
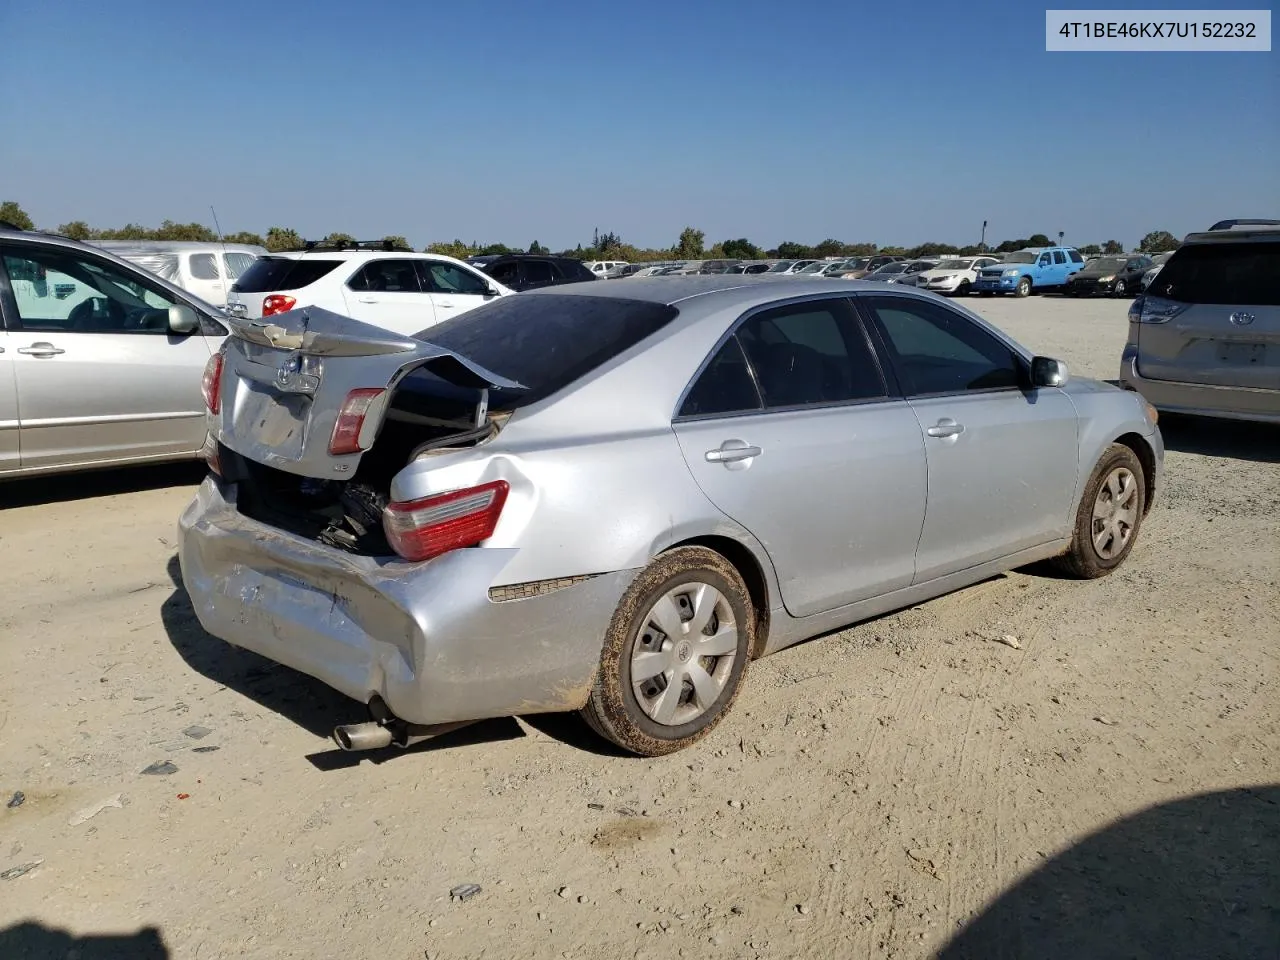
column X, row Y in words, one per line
column 97, row 373
column 8, row 399
column 1002, row 459
column 205, row 277
column 453, row 288
column 1212, row 316
column 791, row 430
column 388, row 293
column 538, row 273
column 1060, row 267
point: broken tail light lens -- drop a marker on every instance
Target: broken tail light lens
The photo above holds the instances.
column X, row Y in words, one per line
column 277, row 303
column 426, row 528
column 211, row 383
column 346, row 429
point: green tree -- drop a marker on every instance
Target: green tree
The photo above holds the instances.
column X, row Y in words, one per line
column 452, row 248
column 130, row 231
column 282, row 238
column 859, row 249
column 789, row 250
column 1158, row 241
column 931, row 250
column 608, row 244
column 740, row 249
column 828, row 248
column 1039, row 240
column 1112, row 247
column 494, row 248
column 339, row 239
column 244, row 236
column 1008, row 246
column 690, row 244
column 169, row 230
column 1091, row 249
column 538, row 248
column 11, row 212
column 396, row 243
column 75, row 230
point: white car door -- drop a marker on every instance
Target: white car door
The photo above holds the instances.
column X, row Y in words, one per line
column 454, row 289
column 203, row 276
column 387, row 292
column 98, row 375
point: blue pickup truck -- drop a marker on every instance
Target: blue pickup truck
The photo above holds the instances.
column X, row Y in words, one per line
column 1024, row 271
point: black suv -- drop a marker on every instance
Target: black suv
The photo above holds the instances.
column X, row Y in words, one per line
column 530, row 271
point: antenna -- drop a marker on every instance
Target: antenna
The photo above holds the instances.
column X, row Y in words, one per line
column 226, row 292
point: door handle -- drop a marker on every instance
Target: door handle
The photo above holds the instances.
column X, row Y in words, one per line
column 367, row 299
column 41, row 349
column 446, row 304
column 731, row 451
column 946, row 427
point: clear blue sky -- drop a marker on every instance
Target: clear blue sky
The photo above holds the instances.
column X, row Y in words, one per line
column 515, row 121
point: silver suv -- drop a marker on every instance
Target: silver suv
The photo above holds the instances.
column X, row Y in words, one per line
column 1205, row 336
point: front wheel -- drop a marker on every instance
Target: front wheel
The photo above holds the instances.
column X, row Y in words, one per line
column 1024, row 287
column 963, row 289
column 1109, row 516
column 674, row 655
column 1119, row 289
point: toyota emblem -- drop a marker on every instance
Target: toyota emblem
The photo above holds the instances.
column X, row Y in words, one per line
column 1242, row 319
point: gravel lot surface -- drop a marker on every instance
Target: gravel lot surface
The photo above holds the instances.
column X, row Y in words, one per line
column 907, row 787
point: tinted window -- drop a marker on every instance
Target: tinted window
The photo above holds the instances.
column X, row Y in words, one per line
column 1075, row 256
column 1230, row 273
column 267, row 274
column 1059, row 257
column 507, row 273
column 939, row 351
column 725, row 386
column 203, row 266
column 575, row 270
column 537, row 271
column 237, row 263
column 69, row 294
column 810, row 353
column 440, row 277
column 547, row 341
column 386, row 276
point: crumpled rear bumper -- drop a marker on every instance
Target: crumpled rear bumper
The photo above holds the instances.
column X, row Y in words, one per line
column 425, row 637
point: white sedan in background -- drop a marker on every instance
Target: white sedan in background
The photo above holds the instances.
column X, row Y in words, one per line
column 953, row 276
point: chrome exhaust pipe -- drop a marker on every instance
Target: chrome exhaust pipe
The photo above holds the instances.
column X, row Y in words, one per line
column 362, row 736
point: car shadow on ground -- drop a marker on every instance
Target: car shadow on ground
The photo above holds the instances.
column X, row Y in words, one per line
column 33, row 941
column 65, row 487
column 312, row 705
column 1236, row 439
column 1195, row 878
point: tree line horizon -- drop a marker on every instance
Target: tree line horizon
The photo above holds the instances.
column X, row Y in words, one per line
column 691, row 244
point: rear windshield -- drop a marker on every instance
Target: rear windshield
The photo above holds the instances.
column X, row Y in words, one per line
column 269, row 274
column 546, row 341
column 1227, row 273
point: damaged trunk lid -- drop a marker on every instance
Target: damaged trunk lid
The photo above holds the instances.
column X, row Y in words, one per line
column 306, row 392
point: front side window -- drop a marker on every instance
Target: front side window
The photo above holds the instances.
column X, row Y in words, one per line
column 386, row 276
column 811, row 353
column 940, row 351
column 508, row 274
column 204, row 266
column 65, row 293
column 1059, row 257
column 1044, row 260
column 440, row 277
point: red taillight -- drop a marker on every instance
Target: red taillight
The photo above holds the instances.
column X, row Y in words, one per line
column 211, row 384
column 346, row 429
column 277, row 303
column 426, row 528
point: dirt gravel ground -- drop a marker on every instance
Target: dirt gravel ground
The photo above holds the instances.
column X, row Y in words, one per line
column 907, row 787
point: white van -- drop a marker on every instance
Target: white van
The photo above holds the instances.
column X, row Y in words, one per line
column 205, row 269
column 606, row 269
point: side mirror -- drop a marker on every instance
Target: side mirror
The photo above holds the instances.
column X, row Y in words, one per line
column 1048, row 372
column 183, row 320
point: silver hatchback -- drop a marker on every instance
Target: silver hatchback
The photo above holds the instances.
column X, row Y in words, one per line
column 612, row 498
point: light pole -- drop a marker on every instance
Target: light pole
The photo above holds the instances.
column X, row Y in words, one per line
column 1060, row 236
column 982, row 244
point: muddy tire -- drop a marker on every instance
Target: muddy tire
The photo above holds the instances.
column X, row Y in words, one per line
column 1109, row 516
column 675, row 654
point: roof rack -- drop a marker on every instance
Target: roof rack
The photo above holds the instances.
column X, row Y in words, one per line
column 353, row 245
column 1229, row 224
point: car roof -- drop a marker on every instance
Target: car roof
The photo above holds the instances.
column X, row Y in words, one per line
column 714, row 291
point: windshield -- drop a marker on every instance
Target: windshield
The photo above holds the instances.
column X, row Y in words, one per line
column 1105, row 265
column 892, row 268
column 954, row 265
column 781, row 266
column 1022, row 256
column 860, row 263
column 815, row 267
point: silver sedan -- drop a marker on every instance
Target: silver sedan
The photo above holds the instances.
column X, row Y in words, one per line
column 612, row 499
column 101, row 362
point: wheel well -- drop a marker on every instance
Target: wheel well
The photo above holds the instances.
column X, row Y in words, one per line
column 1147, row 457
column 748, row 567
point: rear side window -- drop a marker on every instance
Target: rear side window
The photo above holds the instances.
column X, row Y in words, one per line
column 547, row 341
column 1075, row 256
column 1247, row 274
column 1059, row 257
column 386, row 276
column 575, row 270
column 537, row 271
column 268, row 274
column 725, row 386
column 203, row 266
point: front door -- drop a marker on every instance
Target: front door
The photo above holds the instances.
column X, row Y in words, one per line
column 454, row 289
column 98, row 375
column 388, row 293
column 1002, row 458
column 791, row 431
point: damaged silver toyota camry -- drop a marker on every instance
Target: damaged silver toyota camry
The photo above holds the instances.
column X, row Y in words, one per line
column 611, row 498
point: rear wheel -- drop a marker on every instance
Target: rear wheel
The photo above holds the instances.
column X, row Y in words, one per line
column 1024, row 287
column 1110, row 514
column 674, row 655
